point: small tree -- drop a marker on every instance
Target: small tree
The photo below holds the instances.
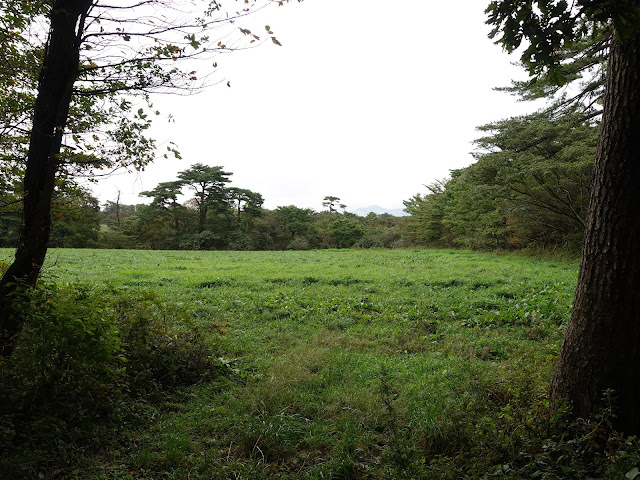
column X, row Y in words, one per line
column 165, row 197
column 427, row 212
column 76, row 218
column 330, row 203
column 245, row 201
column 114, row 213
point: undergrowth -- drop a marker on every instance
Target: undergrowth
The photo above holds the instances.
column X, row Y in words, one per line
column 506, row 433
column 90, row 363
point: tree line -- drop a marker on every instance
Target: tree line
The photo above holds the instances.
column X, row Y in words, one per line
column 528, row 188
column 215, row 216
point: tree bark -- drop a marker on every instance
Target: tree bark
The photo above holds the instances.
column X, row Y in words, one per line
column 55, row 87
column 601, row 348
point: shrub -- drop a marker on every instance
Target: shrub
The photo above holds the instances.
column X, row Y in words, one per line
column 85, row 355
column 299, row 243
column 110, row 238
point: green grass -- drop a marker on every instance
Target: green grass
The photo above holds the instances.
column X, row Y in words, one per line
column 343, row 364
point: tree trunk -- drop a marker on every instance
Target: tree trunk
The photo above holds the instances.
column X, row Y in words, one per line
column 57, row 76
column 118, row 210
column 601, row 348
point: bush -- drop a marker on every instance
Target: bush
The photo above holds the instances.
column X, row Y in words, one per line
column 110, row 238
column 86, row 355
column 346, row 231
column 299, row 243
column 239, row 241
column 370, row 241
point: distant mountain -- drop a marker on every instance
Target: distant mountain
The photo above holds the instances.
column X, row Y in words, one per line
column 364, row 211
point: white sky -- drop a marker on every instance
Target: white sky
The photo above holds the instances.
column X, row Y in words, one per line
column 366, row 100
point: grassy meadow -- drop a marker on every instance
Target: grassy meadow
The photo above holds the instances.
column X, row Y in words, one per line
column 339, row 364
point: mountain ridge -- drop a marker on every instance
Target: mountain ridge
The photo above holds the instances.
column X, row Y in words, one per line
column 378, row 210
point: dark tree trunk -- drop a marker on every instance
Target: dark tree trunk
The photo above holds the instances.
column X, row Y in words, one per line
column 202, row 210
column 58, row 74
column 601, row 349
column 176, row 219
column 201, row 219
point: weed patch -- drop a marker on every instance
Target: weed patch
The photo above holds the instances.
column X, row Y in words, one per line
column 88, row 362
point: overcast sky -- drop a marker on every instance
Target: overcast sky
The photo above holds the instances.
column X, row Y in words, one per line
column 366, row 100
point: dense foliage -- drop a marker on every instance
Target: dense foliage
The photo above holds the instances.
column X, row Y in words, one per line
column 529, row 188
column 88, row 360
column 530, row 184
column 214, row 215
column 234, row 219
